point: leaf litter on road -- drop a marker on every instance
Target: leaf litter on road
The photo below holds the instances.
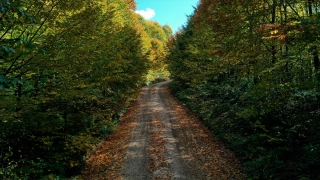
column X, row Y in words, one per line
column 197, row 154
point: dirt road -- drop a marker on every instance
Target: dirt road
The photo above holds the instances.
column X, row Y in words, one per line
column 159, row 139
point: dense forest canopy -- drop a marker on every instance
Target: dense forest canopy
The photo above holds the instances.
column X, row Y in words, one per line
column 68, row 69
column 250, row 70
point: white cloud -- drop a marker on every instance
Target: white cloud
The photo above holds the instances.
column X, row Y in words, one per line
column 147, row 14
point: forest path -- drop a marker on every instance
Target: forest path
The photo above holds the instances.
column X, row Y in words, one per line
column 159, row 139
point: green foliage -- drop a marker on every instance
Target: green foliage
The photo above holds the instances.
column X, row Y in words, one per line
column 154, row 42
column 68, row 69
column 167, row 29
column 250, row 72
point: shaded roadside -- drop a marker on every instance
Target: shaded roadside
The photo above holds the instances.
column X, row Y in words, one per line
column 159, row 139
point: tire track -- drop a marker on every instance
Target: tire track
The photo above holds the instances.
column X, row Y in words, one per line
column 160, row 139
column 154, row 133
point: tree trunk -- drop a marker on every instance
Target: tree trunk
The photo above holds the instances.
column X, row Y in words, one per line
column 314, row 49
column 273, row 21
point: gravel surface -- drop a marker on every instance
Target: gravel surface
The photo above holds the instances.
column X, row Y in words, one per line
column 171, row 163
column 160, row 139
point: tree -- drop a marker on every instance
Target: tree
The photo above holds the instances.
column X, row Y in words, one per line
column 249, row 69
column 68, row 69
column 154, row 40
column 167, row 29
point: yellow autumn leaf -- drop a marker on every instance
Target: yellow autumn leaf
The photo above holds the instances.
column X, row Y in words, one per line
column 274, row 31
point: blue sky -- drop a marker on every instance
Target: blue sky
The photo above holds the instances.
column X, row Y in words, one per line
column 172, row 12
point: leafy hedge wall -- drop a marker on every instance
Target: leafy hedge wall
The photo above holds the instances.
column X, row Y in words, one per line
column 68, row 70
column 249, row 70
